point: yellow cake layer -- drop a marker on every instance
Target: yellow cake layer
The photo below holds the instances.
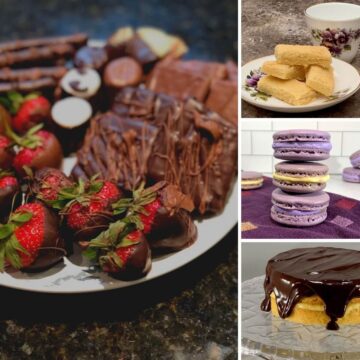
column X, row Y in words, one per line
column 311, row 311
column 320, row 79
column 282, row 71
column 293, row 92
column 307, row 179
column 303, row 55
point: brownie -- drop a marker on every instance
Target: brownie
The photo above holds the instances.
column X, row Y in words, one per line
column 153, row 137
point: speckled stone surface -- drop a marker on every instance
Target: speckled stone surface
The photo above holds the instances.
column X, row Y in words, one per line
column 266, row 23
column 188, row 314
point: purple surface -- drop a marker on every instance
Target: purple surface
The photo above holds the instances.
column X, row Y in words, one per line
column 343, row 219
column 309, row 145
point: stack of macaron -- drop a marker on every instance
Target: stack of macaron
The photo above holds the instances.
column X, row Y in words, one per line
column 352, row 174
column 251, row 180
column 299, row 199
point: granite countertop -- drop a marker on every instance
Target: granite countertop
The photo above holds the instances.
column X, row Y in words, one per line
column 190, row 313
column 266, row 23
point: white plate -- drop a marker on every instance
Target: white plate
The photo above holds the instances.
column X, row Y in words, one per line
column 347, row 83
column 73, row 276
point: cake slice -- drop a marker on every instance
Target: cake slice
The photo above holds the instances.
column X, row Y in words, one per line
column 303, row 55
column 293, row 92
column 320, row 79
column 283, row 71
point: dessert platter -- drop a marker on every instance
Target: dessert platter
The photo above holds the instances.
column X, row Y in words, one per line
column 118, row 159
column 298, row 78
column 305, row 308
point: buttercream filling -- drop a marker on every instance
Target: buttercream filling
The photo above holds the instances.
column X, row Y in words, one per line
column 351, row 176
column 313, row 145
column 251, row 182
column 296, row 212
column 306, row 179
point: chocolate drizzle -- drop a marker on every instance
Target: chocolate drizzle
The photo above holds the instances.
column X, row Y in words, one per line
column 333, row 274
column 155, row 137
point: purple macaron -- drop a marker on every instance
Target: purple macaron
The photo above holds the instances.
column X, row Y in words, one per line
column 251, row 180
column 300, row 177
column 355, row 159
column 302, row 145
column 351, row 175
column 299, row 210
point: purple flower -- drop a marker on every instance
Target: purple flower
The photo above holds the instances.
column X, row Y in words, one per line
column 253, row 78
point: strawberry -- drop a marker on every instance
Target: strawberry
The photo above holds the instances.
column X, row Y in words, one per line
column 31, row 231
column 6, row 152
column 38, row 149
column 163, row 213
column 121, row 251
column 48, row 182
column 33, row 110
column 9, row 187
column 87, row 207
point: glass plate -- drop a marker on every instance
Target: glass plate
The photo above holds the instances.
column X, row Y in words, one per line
column 267, row 337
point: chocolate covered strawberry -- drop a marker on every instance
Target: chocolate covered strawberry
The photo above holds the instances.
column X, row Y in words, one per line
column 48, row 182
column 86, row 207
column 164, row 215
column 9, row 188
column 37, row 149
column 27, row 111
column 121, row 250
column 7, row 153
column 30, row 238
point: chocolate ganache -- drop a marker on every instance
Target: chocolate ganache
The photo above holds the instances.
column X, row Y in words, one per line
column 333, row 274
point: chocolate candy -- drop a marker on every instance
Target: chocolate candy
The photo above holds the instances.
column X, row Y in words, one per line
column 84, row 83
column 70, row 120
column 92, row 57
column 123, row 72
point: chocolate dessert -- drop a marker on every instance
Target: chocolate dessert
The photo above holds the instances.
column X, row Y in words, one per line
column 324, row 281
column 155, row 137
column 213, row 83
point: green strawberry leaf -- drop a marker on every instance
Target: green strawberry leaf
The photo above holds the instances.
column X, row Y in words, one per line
column 32, row 96
column 21, row 217
column 95, row 187
column 5, row 231
column 34, row 129
column 4, row 101
column 91, row 253
column 16, row 100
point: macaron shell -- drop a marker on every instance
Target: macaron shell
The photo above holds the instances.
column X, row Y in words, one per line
column 299, row 221
column 250, row 187
column 311, row 201
column 351, row 175
column 251, row 175
column 301, row 155
column 355, row 159
column 299, row 150
column 301, row 135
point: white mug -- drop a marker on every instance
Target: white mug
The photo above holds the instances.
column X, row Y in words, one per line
column 337, row 26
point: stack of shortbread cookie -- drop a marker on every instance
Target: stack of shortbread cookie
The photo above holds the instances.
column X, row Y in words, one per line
column 299, row 75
